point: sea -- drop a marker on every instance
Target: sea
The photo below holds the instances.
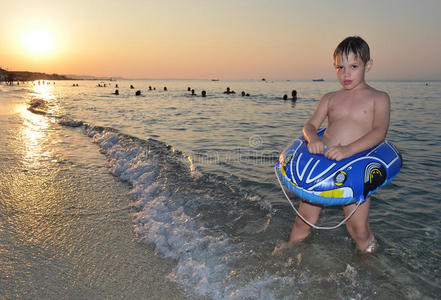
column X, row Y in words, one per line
column 169, row 195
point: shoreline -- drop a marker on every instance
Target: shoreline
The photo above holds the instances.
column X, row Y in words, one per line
column 67, row 229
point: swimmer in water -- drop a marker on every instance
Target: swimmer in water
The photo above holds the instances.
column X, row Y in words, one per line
column 294, row 95
column 228, row 91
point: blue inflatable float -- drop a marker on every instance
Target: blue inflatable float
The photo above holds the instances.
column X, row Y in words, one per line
column 319, row 180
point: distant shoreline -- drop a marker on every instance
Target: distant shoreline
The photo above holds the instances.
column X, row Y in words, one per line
column 10, row 76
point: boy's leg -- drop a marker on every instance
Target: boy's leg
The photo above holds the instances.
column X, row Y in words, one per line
column 300, row 230
column 358, row 226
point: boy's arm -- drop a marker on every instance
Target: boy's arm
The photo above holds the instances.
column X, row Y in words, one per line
column 315, row 145
column 373, row 137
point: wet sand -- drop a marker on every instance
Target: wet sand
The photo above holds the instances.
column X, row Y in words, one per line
column 65, row 226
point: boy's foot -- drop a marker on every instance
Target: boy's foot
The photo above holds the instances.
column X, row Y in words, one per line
column 282, row 249
column 371, row 247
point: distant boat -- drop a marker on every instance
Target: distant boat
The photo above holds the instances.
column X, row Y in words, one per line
column 318, row 79
column 214, row 79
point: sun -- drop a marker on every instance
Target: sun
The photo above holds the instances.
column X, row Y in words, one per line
column 38, row 41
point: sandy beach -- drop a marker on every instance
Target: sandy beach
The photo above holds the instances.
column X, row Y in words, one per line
column 61, row 235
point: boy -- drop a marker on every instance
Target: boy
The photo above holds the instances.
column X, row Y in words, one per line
column 358, row 119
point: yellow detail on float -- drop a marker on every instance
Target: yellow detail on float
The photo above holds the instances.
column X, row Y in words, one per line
column 337, row 193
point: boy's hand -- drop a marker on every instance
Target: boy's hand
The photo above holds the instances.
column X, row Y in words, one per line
column 316, row 147
column 337, row 152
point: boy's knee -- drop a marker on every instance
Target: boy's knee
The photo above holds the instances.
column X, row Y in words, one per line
column 301, row 229
column 311, row 218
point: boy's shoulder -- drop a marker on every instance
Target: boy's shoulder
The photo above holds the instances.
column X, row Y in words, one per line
column 330, row 95
column 377, row 95
column 373, row 91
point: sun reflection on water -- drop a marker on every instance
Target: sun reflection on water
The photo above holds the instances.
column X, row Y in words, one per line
column 34, row 135
column 35, row 126
column 35, row 200
column 43, row 90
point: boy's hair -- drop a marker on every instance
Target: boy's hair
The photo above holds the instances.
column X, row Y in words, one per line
column 356, row 45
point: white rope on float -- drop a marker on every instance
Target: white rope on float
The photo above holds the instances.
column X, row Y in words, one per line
column 304, row 219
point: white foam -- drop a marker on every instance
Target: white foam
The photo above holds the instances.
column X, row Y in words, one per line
column 205, row 259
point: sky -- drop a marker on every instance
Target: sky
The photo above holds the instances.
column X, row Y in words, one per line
column 222, row 39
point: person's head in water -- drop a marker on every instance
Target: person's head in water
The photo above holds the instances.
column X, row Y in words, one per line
column 228, row 91
column 294, row 94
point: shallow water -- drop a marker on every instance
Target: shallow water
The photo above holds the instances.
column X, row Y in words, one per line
column 203, row 191
column 65, row 229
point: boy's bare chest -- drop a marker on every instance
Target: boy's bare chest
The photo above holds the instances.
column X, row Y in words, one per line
column 347, row 108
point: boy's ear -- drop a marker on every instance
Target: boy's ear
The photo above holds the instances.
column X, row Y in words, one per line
column 369, row 65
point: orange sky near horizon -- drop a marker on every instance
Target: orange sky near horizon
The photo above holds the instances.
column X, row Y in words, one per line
column 279, row 39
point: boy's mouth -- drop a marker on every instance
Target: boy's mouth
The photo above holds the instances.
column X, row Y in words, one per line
column 347, row 82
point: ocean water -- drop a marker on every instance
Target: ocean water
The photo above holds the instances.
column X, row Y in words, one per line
column 190, row 183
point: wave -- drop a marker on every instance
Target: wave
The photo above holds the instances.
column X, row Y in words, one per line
column 188, row 216
column 38, row 106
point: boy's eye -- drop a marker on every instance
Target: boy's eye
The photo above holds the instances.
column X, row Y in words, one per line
column 354, row 66
column 339, row 68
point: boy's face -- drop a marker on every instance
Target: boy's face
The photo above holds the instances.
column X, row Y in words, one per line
column 350, row 70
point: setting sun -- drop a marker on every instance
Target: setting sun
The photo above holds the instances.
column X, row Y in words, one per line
column 37, row 41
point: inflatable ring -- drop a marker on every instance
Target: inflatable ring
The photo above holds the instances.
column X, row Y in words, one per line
column 319, row 180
